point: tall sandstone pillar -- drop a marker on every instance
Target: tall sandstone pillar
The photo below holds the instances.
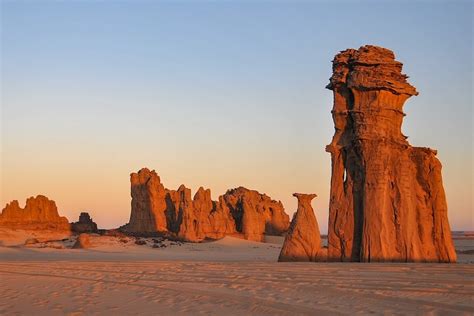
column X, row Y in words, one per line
column 387, row 201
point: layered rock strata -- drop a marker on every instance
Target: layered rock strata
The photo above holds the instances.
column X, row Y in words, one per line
column 303, row 240
column 240, row 211
column 39, row 213
column 387, row 201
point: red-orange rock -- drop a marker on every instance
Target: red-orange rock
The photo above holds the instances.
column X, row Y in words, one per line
column 239, row 211
column 82, row 242
column 39, row 213
column 148, row 203
column 387, row 201
column 204, row 218
column 303, row 240
column 256, row 214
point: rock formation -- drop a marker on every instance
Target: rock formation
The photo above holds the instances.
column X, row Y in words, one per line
column 387, row 201
column 39, row 213
column 303, row 240
column 148, row 203
column 256, row 214
column 240, row 211
column 85, row 224
column 83, row 241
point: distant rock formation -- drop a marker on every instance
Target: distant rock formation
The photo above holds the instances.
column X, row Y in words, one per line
column 201, row 217
column 39, row 213
column 85, row 224
column 256, row 214
column 303, row 240
column 240, row 211
column 387, row 201
column 148, row 202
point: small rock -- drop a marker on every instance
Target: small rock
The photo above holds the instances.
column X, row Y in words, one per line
column 82, row 242
column 140, row 242
column 31, row 241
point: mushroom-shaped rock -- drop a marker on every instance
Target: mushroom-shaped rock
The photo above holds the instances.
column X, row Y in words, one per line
column 303, row 241
column 387, row 201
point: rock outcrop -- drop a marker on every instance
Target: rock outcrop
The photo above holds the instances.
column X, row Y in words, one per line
column 239, row 212
column 148, row 203
column 83, row 241
column 256, row 214
column 39, row 213
column 303, row 240
column 387, row 201
column 204, row 218
column 85, row 224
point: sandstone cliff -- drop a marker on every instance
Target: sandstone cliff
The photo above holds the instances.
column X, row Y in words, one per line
column 387, row 201
column 240, row 211
column 39, row 213
column 303, row 240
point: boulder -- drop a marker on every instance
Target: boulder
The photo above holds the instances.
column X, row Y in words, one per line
column 387, row 201
column 303, row 240
column 82, row 242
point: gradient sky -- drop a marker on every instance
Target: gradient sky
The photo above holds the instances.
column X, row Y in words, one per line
column 214, row 94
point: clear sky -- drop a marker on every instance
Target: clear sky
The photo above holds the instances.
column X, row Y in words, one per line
column 218, row 94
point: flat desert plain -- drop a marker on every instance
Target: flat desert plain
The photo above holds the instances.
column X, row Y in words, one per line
column 230, row 276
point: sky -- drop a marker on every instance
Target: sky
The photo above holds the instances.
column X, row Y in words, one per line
column 214, row 94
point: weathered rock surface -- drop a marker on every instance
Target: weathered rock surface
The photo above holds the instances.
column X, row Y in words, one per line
column 148, row 203
column 240, row 211
column 83, row 241
column 39, row 213
column 85, row 224
column 256, row 214
column 387, row 201
column 303, row 240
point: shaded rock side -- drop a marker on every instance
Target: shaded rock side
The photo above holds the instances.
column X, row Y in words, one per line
column 387, row 201
column 239, row 211
column 85, row 224
column 303, row 240
column 39, row 213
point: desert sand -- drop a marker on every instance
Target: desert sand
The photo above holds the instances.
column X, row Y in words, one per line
column 230, row 276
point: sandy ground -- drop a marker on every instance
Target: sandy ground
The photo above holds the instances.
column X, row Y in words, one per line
column 226, row 277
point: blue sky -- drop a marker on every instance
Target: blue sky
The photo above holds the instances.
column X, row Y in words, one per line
column 218, row 94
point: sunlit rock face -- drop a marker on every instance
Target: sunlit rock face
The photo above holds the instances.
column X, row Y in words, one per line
column 387, row 201
column 303, row 240
column 40, row 213
column 240, row 212
column 148, row 202
column 256, row 214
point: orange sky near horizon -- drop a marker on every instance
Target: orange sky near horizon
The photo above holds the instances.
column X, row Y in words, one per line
column 100, row 184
